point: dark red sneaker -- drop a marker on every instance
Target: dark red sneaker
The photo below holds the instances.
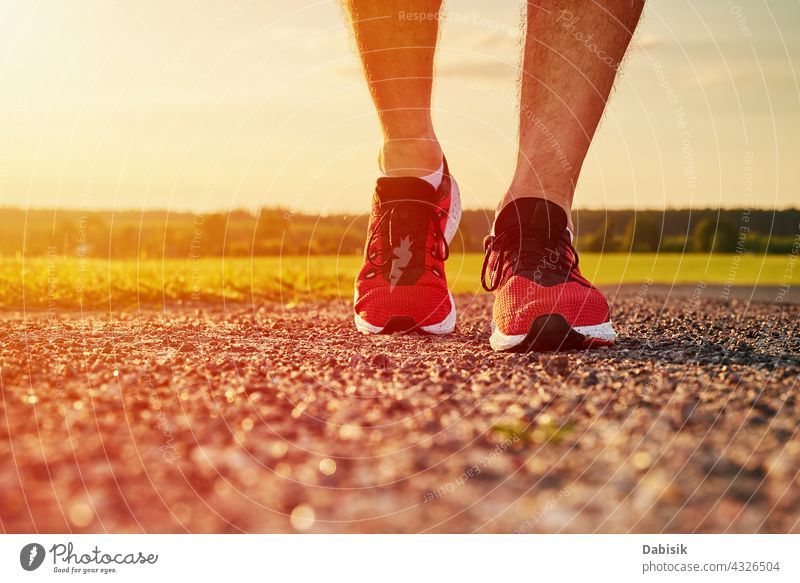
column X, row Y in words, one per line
column 402, row 286
column 542, row 302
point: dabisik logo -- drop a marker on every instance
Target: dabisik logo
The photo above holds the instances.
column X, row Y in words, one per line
column 31, row 556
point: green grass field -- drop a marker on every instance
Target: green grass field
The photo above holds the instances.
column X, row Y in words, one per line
column 72, row 283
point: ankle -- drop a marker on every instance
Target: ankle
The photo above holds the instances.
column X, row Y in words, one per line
column 410, row 157
column 541, row 181
column 562, row 199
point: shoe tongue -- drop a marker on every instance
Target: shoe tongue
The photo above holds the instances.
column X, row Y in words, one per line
column 405, row 188
column 537, row 214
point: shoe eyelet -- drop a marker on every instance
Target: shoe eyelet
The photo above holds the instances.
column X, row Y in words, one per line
column 370, row 274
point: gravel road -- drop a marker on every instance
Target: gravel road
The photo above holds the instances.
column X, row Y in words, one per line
column 285, row 419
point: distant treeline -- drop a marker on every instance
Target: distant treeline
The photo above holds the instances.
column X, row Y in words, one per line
column 274, row 231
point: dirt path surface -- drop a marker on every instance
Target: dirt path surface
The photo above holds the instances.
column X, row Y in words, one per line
column 288, row 420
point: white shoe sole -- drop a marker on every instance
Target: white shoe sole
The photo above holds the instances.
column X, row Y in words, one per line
column 596, row 335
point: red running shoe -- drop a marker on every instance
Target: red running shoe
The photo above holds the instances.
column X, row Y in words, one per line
column 402, row 286
column 542, row 302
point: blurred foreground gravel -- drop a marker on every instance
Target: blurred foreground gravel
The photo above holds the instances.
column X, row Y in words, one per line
column 285, row 419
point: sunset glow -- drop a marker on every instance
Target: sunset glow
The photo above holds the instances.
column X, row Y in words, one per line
column 204, row 107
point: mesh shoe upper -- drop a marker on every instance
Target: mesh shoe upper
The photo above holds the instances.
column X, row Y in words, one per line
column 403, row 271
column 532, row 268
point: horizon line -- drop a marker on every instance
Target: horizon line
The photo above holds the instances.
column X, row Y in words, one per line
column 256, row 211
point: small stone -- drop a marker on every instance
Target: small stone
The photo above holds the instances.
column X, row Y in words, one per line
column 380, row 361
column 591, row 379
column 327, row 466
column 641, row 460
column 81, row 515
column 302, row 517
column 355, row 360
column 556, row 365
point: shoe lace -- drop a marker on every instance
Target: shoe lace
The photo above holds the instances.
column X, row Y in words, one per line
column 415, row 224
column 510, row 248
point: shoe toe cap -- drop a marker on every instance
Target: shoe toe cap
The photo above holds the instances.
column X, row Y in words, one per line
column 521, row 301
column 425, row 305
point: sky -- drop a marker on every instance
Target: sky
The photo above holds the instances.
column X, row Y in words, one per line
column 204, row 105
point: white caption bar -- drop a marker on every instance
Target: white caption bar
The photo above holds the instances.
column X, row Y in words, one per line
column 401, row 558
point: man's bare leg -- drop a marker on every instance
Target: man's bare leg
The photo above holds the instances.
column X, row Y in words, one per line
column 396, row 40
column 402, row 285
column 573, row 49
column 542, row 301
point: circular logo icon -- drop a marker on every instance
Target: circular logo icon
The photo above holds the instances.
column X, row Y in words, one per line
column 31, row 556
